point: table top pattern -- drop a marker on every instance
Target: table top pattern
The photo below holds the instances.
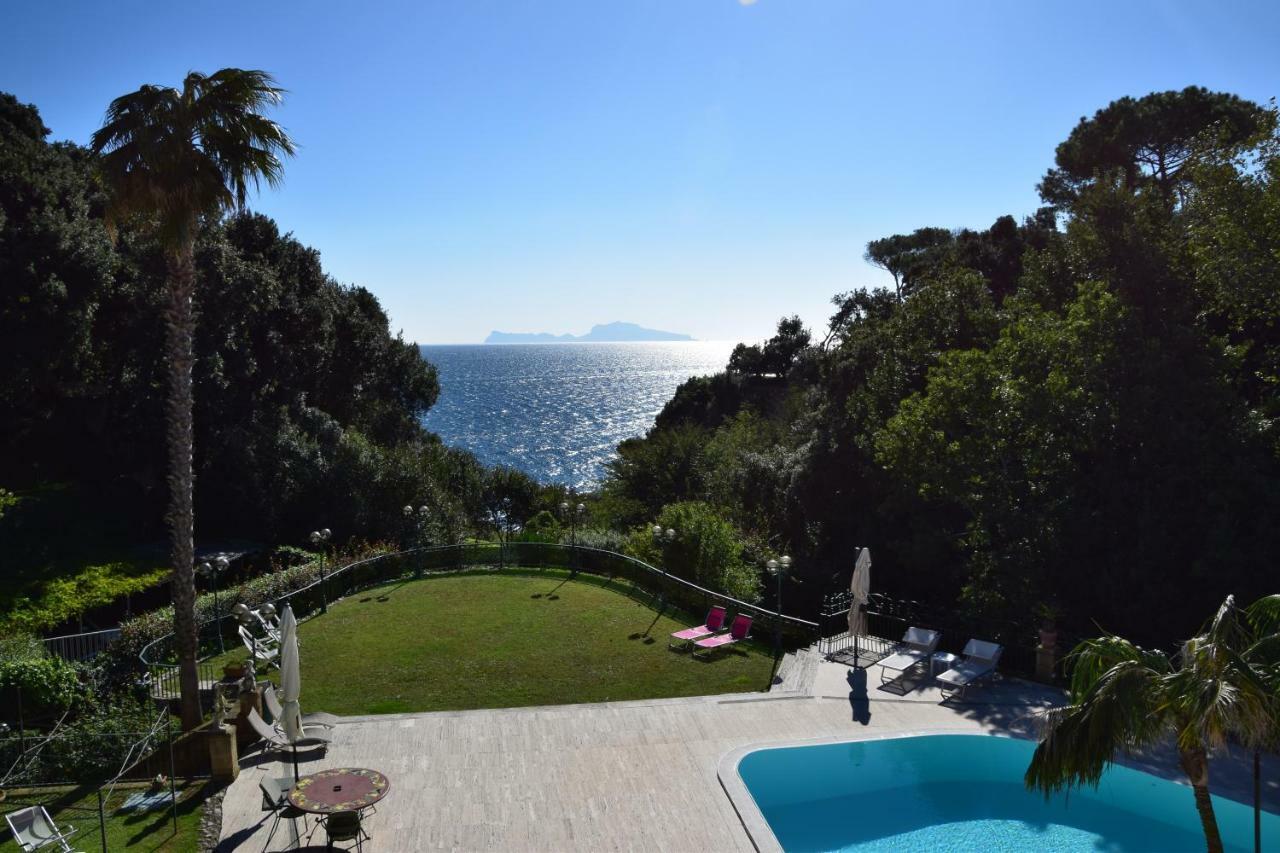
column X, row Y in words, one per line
column 340, row 789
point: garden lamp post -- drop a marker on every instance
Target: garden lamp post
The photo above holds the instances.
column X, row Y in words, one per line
column 662, row 538
column 779, row 569
column 211, row 571
column 320, row 538
column 572, row 515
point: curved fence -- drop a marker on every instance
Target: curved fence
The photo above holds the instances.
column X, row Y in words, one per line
column 657, row 587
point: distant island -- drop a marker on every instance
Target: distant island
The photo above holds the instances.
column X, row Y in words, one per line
column 614, row 332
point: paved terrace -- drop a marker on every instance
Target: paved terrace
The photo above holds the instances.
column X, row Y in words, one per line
column 623, row 775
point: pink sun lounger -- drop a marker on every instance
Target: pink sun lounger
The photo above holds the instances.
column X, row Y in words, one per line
column 741, row 627
column 715, row 622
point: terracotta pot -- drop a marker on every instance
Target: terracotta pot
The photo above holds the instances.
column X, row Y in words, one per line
column 233, row 671
column 1049, row 638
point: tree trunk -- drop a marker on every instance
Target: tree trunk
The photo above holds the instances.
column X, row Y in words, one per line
column 1195, row 763
column 180, row 349
column 1257, row 801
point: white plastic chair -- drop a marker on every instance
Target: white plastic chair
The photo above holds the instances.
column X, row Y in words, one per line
column 34, row 829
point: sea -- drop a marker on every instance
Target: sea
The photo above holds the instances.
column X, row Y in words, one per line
column 558, row 411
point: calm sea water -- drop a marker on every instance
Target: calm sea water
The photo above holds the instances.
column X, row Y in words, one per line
column 558, row 411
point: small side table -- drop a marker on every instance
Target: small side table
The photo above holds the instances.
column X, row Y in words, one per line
column 943, row 658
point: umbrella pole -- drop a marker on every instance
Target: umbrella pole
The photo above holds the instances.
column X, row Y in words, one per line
column 295, row 762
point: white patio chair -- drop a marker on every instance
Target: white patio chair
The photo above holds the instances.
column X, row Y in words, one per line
column 34, row 829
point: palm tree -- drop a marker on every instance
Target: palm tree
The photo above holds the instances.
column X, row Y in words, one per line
column 1261, row 653
column 176, row 158
column 1127, row 698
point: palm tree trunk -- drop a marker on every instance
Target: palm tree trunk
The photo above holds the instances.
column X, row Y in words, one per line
column 1195, row 763
column 180, row 348
column 1257, row 801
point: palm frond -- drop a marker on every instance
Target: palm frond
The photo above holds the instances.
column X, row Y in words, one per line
column 179, row 156
column 1264, row 615
column 1120, row 710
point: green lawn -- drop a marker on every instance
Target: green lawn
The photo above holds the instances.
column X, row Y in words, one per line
column 141, row 831
column 482, row 640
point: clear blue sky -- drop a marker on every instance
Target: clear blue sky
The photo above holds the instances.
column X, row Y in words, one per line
column 704, row 166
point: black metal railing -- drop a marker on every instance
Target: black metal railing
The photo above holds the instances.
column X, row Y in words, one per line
column 657, row 587
column 888, row 619
column 81, row 647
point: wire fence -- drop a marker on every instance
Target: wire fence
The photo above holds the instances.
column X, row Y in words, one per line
column 656, row 586
column 134, row 792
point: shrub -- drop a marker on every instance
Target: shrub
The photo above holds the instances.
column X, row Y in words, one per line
column 543, row 527
column 49, row 685
column 138, row 632
column 707, row 550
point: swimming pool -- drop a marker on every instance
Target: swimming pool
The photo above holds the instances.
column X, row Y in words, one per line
column 965, row 792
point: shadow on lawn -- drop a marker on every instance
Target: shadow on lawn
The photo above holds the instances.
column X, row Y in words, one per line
column 551, row 596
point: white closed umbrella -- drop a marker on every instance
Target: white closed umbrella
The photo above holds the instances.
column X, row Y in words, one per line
column 290, row 680
column 860, row 590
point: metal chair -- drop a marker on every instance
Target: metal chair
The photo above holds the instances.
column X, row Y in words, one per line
column 33, row 829
column 345, row 826
column 275, row 799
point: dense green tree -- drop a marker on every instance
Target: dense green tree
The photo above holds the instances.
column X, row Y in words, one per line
column 908, row 256
column 1147, row 141
column 1090, row 390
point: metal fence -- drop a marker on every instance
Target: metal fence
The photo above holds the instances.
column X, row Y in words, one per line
column 81, row 647
column 655, row 586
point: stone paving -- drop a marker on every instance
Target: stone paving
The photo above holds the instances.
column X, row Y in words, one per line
column 624, row 775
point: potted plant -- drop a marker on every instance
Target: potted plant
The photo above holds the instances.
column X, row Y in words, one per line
column 1048, row 614
column 233, row 671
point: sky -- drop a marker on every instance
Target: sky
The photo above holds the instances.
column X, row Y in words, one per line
column 699, row 166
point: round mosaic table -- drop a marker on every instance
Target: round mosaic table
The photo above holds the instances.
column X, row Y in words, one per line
column 341, row 789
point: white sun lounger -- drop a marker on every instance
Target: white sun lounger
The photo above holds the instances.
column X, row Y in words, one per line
column 316, row 718
column 917, row 647
column 34, row 829
column 273, row 738
column 977, row 665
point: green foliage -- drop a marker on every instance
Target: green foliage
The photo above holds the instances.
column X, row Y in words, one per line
column 907, row 257
column 93, row 746
column 137, row 632
column 707, row 550
column 288, row 361
column 1094, row 389
column 49, row 685
column 1126, row 698
column 543, row 527
column 1148, row 140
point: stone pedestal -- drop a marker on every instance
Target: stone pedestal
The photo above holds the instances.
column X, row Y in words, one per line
column 1046, row 662
column 224, row 756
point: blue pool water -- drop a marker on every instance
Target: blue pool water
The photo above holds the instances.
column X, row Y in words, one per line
column 965, row 792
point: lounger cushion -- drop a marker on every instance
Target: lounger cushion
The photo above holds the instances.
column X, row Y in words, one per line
column 716, row 642
column 692, row 633
column 904, row 660
column 965, row 673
